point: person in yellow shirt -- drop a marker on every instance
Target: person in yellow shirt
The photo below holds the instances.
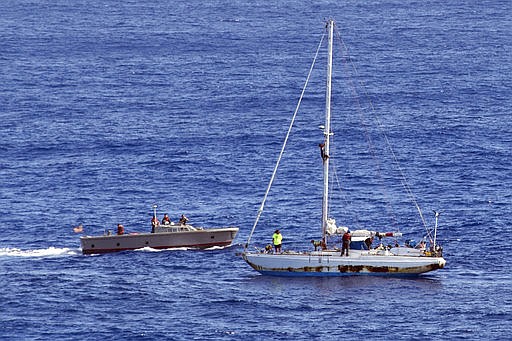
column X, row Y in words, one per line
column 277, row 237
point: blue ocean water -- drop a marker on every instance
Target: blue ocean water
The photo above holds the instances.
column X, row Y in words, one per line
column 108, row 107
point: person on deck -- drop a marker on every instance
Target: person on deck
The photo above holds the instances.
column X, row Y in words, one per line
column 166, row 220
column 155, row 222
column 368, row 242
column 421, row 245
column 120, row 229
column 346, row 242
column 277, row 238
column 183, row 220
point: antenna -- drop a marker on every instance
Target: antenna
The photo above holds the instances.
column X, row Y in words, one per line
column 437, row 214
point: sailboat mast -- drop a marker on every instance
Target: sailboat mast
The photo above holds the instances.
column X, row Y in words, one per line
column 327, row 131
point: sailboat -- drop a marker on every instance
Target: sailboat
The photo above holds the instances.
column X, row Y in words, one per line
column 326, row 259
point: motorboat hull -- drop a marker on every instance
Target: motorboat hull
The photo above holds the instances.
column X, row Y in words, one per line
column 332, row 264
column 200, row 238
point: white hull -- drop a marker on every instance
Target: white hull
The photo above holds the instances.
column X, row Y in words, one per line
column 397, row 261
column 160, row 240
column 332, row 264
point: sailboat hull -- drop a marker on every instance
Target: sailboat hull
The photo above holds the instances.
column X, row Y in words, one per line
column 332, row 264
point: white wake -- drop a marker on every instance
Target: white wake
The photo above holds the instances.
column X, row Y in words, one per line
column 49, row 252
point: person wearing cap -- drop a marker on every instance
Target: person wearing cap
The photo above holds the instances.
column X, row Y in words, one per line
column 346, row 242
column 277, row 238
column 120, row 229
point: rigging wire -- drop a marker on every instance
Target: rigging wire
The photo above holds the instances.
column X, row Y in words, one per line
column 403, row 180
column 340, row 189
column 260, row 210
column 368, row 137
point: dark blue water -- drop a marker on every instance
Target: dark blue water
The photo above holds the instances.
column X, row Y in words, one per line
column 107, row 107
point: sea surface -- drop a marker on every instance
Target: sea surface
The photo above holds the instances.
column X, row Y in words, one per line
column 108, row 107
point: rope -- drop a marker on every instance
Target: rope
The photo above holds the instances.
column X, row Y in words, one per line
column 367, row 135
column 340, row 189
column 403, row 181
column 260, row 211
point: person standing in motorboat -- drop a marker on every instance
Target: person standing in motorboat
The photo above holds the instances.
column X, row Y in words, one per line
column 277, row 238
column 120, row 229
column 183, row 220
column 154, row 224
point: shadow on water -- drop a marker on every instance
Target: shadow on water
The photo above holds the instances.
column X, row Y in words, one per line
column 347, row 282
